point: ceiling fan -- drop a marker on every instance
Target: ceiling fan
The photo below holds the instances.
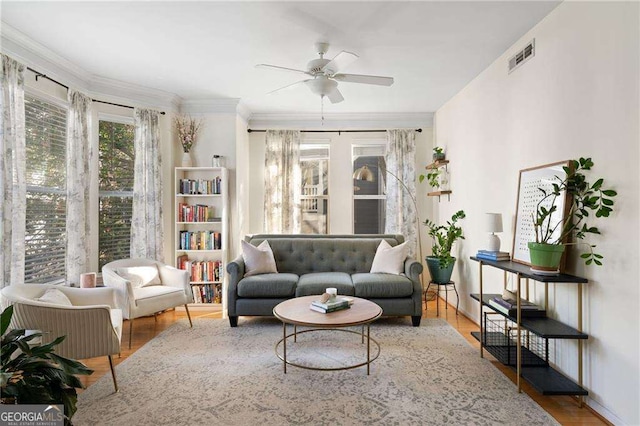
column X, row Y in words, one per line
column 324, row 74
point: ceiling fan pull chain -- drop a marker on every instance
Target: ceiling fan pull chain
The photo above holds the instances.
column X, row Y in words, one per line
column 322, row 110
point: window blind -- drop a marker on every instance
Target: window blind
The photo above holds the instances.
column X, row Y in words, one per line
column 116, row 157
column 45, row 243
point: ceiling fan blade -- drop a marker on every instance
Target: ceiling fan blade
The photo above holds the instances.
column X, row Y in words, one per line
column 288, row 86
column 267, row 66
column 364, row 79
column 335, row 96
column 342, row 60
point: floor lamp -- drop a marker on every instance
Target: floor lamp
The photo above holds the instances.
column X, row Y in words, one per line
column 364, row 173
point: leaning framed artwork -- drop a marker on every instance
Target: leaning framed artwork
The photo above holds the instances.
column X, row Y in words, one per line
column 531, row 184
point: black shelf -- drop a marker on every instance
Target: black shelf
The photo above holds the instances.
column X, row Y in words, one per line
column 525, row 271
column 504, row 350
column 545, row 327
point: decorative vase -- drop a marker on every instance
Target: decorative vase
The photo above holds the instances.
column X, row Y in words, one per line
column 186, row 159
column 545, row 257
column 439, row 275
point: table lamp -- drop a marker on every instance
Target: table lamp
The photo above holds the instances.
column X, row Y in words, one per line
column 493, row 224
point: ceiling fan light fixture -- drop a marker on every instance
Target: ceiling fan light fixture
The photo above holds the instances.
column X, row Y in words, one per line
column 322, row 86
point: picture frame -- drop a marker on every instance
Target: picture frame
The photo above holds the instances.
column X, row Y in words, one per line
column 530, row 181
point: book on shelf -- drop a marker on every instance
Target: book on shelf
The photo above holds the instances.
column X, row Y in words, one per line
column 513, row 312
column 512, row 304
column 493, row 255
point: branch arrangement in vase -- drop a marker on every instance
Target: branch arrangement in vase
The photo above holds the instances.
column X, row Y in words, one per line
column 188, row 128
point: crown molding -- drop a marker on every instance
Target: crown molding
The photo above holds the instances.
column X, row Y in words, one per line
column 39, row 57
column 243, row 111
column 344, row 121
column 211, row 106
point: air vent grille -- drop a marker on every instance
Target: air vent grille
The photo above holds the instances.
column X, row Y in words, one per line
column 522, row 56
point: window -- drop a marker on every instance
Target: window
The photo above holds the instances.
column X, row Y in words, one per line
column 116, row 157
column 314, row 166
column 45, row 239
column 369, row 199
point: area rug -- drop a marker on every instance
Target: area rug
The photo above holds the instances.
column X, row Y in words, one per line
column 213, row 374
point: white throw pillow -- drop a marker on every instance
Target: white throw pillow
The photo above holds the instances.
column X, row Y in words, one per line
column 140, row 276
column 389, row 260
column 55, row 297
column 258, row 260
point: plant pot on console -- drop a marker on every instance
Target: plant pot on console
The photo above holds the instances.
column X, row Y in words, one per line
column 545, row 257
column 439, row 275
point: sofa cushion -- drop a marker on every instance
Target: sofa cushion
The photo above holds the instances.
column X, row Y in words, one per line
column 55, row 297
column 140, row 276
column 258, row 260
column 268, row 285
column 388, row 259
column 318, row 282
column 381, row 286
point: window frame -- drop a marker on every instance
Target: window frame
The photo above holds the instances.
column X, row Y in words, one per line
column 324, row 144
column 364, row 143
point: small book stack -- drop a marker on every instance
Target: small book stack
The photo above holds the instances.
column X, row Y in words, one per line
column 337, row 304
column 494, row 256
column 509, row 307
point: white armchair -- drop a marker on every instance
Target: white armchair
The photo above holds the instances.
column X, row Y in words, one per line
column 93, row 324
column 136, row 301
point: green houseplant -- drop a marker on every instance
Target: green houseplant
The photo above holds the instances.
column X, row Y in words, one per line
column 438, row 153
column 584, row 198
column 441, row 262
column 34, row 374
column 432, row 178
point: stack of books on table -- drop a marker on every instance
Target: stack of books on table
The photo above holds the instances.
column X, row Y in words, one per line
column 330, row 306
column 509, row 307
column 494, row 256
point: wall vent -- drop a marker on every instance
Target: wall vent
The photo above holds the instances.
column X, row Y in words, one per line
column 522, row 56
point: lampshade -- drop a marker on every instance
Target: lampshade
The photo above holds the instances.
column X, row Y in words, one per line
column 493, row 222
column 364, row 173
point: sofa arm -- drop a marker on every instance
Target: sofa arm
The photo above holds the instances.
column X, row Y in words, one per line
column 174, row 277
column 236, row 273
column 412, row 269
column 91, row 297
column 124, row 291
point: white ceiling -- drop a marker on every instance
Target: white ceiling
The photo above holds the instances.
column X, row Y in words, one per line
column 206, row 50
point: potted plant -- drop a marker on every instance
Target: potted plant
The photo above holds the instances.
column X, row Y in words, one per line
column 34, row 374
column 553, row 235
column 441, row 263
column 432, row 178
column 438, row 153
column 188, row 129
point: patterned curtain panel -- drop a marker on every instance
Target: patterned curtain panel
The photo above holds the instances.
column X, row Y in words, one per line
column 13, row 188
column 78, row 178
column 282, row 182
column 146, row 221
column 402, row 217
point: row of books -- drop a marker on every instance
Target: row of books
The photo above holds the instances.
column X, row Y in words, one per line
column 200, row 240
column 207, row 293
column 200, row 186
column 196, row 213
column 338, row 304
column 493, row 255
column 509, row 307
column 201, row 271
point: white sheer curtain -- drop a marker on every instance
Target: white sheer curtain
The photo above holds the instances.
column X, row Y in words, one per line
column 13, row 188
column 282, row 182
column 146, row 222
column 78, row 177
column 402, row 217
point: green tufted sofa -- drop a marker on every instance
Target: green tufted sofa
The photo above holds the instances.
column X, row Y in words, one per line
column 308, row 264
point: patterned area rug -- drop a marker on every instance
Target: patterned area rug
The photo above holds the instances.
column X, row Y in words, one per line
column 217, row 375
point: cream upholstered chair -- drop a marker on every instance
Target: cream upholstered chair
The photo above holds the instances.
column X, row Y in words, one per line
column 138, row 299
column 92, row 324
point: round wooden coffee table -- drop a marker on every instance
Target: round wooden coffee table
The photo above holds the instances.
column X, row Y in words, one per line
column 296, row 311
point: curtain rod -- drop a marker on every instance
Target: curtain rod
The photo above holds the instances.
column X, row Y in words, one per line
column 332, row 131
column 41, row 75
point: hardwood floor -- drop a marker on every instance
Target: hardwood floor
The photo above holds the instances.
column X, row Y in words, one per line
column 563, row 408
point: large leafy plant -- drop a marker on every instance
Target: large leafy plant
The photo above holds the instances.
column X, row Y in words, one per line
column 34, row 374
column 444, row 236
column 585, row 198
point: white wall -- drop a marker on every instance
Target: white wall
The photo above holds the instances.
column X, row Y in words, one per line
column 577, row 97
column 340, row 180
